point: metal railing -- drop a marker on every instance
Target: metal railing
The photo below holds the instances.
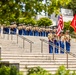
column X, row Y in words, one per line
column 25, row 39
column 67, row 53
column 22, row 37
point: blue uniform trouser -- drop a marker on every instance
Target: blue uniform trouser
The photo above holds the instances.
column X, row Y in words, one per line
column 30, row 32
column 50, row 46
column 20, row 32
column 24, row 32
column 13, row 31
column 61, row 47
column 42, row 33
column 47, row 33
column 56, row 43
column 67, row 46
column 36, row 33
column 6, row 30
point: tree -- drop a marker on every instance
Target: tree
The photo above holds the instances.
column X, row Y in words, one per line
column 44, row 22
column 72, row 5
column 12, row 10
column 9, row 11
column 32, row 7
column 55, row 6
column 67, row 26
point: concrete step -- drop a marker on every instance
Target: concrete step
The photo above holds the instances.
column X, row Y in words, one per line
column 11, row 51
column 48, row 65
column 38, row 60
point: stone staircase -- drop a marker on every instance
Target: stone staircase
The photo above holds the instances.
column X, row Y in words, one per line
column 13, row 52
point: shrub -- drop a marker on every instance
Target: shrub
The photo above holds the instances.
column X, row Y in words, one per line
column 4, row 70
column 27, row 21
column 40, row 71
column 30, row 21
column 37, row 71
column 13, row 70
column 44, row 22
column 67, row 26
column 9, row 71
column 62, row 71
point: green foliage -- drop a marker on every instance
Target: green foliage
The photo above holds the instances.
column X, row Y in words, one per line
column 72, row 5
column 20, row 73
column 37, row 71
column 40, row 71
column 54, row 5
column 30, row 21
column 67, row 26
column 62, row 71
column 13, row 70
column 9, row 11
column 9, row 71
column 44, row 22
column 74, row 73
column 21, row 20
column 12, row 10
column 27, row 21
column 4, row 70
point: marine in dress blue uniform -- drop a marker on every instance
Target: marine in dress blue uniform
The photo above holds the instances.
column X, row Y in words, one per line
column 24, row 30
column 36, row 31
column 30, row 31
column 33, row 31
column 67, row 42
column 56, row 43
column 50, row 37
column 27, row 32
column 62, row 40
column 47, row 31
column 13, row 29
column 20, row 30
column 6, row 30
column 39, row 31
column 43, row 32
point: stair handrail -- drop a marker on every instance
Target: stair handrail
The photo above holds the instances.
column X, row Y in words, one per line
column 24, row 38
column 21, row 36
column 67, row 53
column 70, row 53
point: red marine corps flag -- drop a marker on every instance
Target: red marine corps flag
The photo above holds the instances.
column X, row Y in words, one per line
column 73, row 23
column 60, row 24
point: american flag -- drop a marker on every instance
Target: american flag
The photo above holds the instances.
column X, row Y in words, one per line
column 60, row 25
